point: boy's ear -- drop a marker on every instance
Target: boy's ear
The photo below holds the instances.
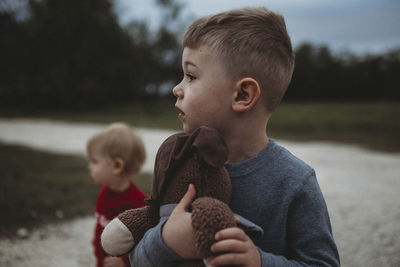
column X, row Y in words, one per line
column 246, row 95
column 118, row 165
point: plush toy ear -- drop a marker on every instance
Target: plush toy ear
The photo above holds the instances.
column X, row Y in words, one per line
column 175, row 151
column 211, row 146
column 165, row 160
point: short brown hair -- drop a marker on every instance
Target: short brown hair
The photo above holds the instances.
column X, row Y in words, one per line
column 119, row 140
column 251, row 42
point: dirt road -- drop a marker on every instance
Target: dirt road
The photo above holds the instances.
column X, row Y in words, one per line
column 361, row 188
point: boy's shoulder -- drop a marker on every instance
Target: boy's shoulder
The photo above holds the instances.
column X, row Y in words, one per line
column 276, row 172
column 287, row 162
column 291, row 173
column 274, row 162
column 290, row 169
column 279, row 166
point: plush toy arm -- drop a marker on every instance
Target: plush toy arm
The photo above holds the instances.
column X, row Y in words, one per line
column 121, row 235
column 209, row 216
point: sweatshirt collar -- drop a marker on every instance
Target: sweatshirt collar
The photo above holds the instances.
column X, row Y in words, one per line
column 265, row 156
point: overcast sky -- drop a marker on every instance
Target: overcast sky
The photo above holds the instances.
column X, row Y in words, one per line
column 361, row 26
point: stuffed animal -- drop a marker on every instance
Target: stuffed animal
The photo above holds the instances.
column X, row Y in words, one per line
column 197, row 158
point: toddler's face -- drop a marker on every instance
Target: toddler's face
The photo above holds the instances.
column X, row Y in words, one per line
column 205, row 94
column 100, row 167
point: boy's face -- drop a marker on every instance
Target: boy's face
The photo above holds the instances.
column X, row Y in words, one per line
column 205, row 94
column 100, row 167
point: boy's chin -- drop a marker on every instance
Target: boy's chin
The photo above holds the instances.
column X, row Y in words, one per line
column 188, row 129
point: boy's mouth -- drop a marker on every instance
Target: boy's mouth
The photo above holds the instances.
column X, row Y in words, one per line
column 181, row 113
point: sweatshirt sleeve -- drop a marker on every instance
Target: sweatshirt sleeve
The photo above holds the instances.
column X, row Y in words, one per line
column 309, row 235
column 152, row 251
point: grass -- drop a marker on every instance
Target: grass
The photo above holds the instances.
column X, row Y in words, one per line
column 37, row 188
column 372, row 125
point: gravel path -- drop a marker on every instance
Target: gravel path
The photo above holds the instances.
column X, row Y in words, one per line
column 361, row 188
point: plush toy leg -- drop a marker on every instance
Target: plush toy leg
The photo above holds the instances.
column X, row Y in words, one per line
column 116, row 238
column 209, row 216
column 121, row 235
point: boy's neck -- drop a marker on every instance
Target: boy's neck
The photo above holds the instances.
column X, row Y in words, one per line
column 120, row 184
column 246, row 141
column 240, row 149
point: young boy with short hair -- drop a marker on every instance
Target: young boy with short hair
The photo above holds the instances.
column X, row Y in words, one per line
column 237, row 66
column 116, row 155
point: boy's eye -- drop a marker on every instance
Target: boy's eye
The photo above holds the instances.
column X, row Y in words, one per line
column 190, row 77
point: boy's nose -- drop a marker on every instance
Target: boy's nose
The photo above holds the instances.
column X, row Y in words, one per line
column 177, row 91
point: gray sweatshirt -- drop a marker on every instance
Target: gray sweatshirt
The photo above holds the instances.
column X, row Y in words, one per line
column 278, row 192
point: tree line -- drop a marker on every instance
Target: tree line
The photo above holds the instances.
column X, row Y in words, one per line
column 320, row 75
column 74, row 54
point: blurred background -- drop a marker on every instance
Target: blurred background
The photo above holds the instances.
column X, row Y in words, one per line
column 100, row 61
column 74, row 57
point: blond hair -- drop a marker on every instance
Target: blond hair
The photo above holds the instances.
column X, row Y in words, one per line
column 119, row 140
column 250, row 42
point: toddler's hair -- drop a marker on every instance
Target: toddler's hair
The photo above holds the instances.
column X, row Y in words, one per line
column 119, row 140
column 250, row 42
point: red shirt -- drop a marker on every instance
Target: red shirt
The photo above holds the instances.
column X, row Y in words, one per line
column 108, row 205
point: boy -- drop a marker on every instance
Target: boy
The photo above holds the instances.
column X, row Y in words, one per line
column 116, row 155
column 237, row 66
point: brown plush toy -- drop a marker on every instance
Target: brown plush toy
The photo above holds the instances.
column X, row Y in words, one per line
column 197, row 158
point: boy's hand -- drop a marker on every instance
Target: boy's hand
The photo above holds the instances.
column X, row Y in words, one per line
column 177, row 232
column 237, row 247
column 113, row 262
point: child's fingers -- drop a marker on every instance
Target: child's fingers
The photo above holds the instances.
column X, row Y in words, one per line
column 230, row 259
column 177, row 232
column 237, row 249
column 231, row 233
column 231, row 245
column 187, row 199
